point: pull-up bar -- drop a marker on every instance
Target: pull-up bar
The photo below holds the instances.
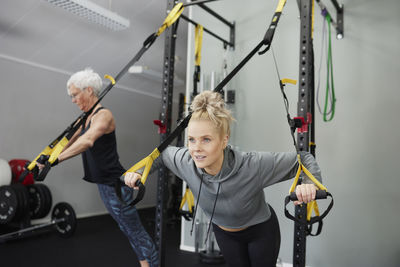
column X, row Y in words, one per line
column 230, row 43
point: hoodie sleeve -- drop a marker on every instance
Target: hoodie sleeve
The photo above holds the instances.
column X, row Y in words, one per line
column 278, row 167
column 173, row 158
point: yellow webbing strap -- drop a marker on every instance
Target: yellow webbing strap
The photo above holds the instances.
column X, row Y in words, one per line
column 171, row 18
column 58, row 149
column 189, row 198
column 313, row 204
column 280, row 6
column 110, row 78
column 47, row 151
column 286, row 80
column 147, row 162
column 312, row 20
column 198, row 33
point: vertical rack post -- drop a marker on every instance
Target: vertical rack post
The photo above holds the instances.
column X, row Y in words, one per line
column 165, row 118
column 305, row 109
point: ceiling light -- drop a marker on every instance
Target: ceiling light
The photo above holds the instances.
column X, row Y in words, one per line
column 94, row 13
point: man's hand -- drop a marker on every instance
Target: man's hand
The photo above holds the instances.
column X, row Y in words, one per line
column 131, row 178
column 305, row 193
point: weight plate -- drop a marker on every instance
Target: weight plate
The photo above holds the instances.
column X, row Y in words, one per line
column 23, row 201
column 67, row 227
column 8, row 204
column 47, row 200
column 36, row 201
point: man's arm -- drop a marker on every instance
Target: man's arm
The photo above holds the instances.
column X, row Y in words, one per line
column 102, row 123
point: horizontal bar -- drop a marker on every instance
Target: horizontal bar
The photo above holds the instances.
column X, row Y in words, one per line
column 198, row 2
column 208, row 31
column 212, row 12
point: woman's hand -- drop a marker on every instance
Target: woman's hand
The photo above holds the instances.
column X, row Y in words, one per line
column 131, row 179
column 305, row 193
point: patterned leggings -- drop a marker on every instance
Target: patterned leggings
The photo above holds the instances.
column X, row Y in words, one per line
column 129, row 222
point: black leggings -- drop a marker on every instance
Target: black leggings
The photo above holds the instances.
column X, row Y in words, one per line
column 256, row 246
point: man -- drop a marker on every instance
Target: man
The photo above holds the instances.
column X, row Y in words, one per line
column 97, row 143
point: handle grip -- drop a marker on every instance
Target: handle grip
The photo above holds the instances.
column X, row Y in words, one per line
column 43, row 159
column 34, row 171
column 140, row 193
column 320, row 194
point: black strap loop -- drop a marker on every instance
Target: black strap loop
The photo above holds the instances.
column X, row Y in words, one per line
column 321, row 194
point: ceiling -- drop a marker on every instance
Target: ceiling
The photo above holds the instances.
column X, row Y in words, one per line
column 39, row 34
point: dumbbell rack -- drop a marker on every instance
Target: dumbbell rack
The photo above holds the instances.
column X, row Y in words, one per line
column 18, row 207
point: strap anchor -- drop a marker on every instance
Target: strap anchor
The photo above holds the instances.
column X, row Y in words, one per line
column 162, row 128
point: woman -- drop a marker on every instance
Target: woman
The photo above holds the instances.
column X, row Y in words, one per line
column 96, row 141
column 229, row 183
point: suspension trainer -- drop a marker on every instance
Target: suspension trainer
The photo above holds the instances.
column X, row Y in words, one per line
column 50, row 153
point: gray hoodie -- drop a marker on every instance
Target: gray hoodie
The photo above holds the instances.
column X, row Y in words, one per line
column 240, row 200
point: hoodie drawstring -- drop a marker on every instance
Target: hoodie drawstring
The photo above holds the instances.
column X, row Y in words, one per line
column 212, row 214
column 197, row 203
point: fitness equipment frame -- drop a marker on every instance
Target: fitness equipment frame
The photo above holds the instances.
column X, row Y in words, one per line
column 306, row 110
column 166, row 114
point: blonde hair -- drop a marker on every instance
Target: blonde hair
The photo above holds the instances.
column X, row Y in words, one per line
column 210, row 106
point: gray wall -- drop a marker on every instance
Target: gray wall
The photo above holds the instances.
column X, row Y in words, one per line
column 41, row 45
column 357, row 151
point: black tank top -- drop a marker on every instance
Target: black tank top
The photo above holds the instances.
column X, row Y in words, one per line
column 101, row 161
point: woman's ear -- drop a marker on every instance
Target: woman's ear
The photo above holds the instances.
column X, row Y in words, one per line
column 226, row 140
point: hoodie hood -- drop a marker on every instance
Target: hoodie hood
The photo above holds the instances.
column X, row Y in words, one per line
column 232, row 161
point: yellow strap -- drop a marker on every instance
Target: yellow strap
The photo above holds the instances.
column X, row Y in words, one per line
column 286, row 80
column 312, row 20
column 312, row 205
column 110, row 78
column 46, row 151
column 171, row 18
column 58, row 149
column 189, row 198
column 198, row 33
column 147, row 162
column 280, row 6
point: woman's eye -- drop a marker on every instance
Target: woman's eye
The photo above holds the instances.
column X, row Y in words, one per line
column 207, row 140
column 191, row 140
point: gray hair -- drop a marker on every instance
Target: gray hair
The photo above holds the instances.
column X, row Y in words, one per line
column 86, row 78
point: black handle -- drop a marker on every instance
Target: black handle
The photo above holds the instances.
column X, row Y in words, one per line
column 139, row 195
column 34, row 171
column 320, row 194
column 43, row 173
column 43, row 159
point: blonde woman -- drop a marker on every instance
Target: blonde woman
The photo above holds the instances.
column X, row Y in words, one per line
column 228, row 184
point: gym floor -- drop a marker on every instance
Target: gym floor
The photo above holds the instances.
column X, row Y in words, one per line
column 96, row 242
